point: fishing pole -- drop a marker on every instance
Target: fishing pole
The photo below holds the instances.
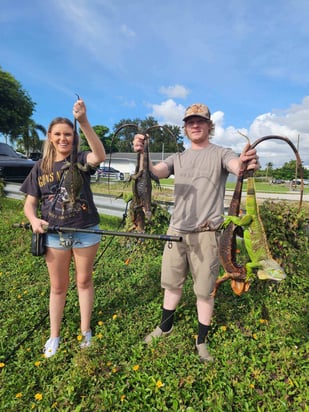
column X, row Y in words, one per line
column 56, row 229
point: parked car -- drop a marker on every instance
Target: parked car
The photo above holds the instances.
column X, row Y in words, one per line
column 110, row 172
column 13, row 168
column 298, row 182
column 35, row 156
column 278, row 181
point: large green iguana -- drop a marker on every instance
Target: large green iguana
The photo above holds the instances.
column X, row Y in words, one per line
column 254, row 234
column 255, row 239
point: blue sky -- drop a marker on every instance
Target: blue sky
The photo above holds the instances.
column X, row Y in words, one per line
column 247, row 60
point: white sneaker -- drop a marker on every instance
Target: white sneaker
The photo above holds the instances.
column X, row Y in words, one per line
column 51, row 347
column 86, row 342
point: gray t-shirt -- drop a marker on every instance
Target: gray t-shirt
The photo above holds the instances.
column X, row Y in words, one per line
column 200, row 177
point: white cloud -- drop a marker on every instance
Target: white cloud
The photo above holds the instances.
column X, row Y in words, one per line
column 292, row 123
column 168, row 112
column 175, row 92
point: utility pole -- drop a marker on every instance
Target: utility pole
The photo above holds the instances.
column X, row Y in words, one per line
column 296, row 163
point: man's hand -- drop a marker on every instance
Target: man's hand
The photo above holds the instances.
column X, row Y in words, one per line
column 250, row 157
column 138, row 143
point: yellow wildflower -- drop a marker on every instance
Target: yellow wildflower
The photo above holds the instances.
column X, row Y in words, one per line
column 251, row 385
column 79, row 338
column 223, row 328
column 115, row 317
column 263, row 321
column 159, row 384
column 18, row 395
column 38, row 396
column 37, row 363
column 254, row 336
column 100, row 323
column 136, row 368
column 99, row 336
column 122, row 398
column 2, row 365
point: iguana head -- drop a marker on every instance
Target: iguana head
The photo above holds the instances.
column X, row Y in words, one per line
column 270, row 270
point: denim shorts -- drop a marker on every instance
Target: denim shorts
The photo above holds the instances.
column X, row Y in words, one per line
column 70, row 240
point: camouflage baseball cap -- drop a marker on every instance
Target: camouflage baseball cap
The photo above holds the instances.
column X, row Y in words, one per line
column 197, row 109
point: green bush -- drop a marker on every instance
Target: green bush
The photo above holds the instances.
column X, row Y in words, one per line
column 287, row 231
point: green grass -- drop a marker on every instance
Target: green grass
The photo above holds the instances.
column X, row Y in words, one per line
column 259, row 340
column 271, row 188
column 120, row 187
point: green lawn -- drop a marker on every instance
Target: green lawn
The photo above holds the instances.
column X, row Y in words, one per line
column 259, row 340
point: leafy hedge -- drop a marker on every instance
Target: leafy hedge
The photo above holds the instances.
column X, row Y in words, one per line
column 287, row 231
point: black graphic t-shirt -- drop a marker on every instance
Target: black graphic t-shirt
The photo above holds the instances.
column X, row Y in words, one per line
column 58, row 206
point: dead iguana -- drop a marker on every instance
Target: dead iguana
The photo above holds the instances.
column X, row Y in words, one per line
column 255, row 238
column 140, row 207
column 228, row 244
column 72, row 180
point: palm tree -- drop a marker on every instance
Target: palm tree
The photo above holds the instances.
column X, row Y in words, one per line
column 29, row 141
column 269, row 168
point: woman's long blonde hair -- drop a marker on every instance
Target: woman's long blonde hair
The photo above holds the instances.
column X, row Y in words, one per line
column 49, row 152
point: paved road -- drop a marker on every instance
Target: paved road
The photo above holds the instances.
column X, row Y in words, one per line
column 276, row 196
column 111, row 206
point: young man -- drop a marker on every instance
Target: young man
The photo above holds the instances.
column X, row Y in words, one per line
column 200, row 176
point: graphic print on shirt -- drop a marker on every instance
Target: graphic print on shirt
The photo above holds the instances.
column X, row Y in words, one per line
column 66, row 200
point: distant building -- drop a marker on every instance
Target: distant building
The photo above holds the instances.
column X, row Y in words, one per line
column 126, row 162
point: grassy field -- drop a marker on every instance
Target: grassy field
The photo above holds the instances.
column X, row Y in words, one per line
column 259, row 340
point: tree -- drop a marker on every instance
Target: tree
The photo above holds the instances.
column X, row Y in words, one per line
column 269, row 168
column 160, row 139
column 29, row 141
column 104, row 136
column 16, row 107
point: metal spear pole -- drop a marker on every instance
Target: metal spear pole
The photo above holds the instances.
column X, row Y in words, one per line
column 56, row 229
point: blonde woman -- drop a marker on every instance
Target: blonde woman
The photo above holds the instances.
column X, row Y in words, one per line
column 48, row 202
